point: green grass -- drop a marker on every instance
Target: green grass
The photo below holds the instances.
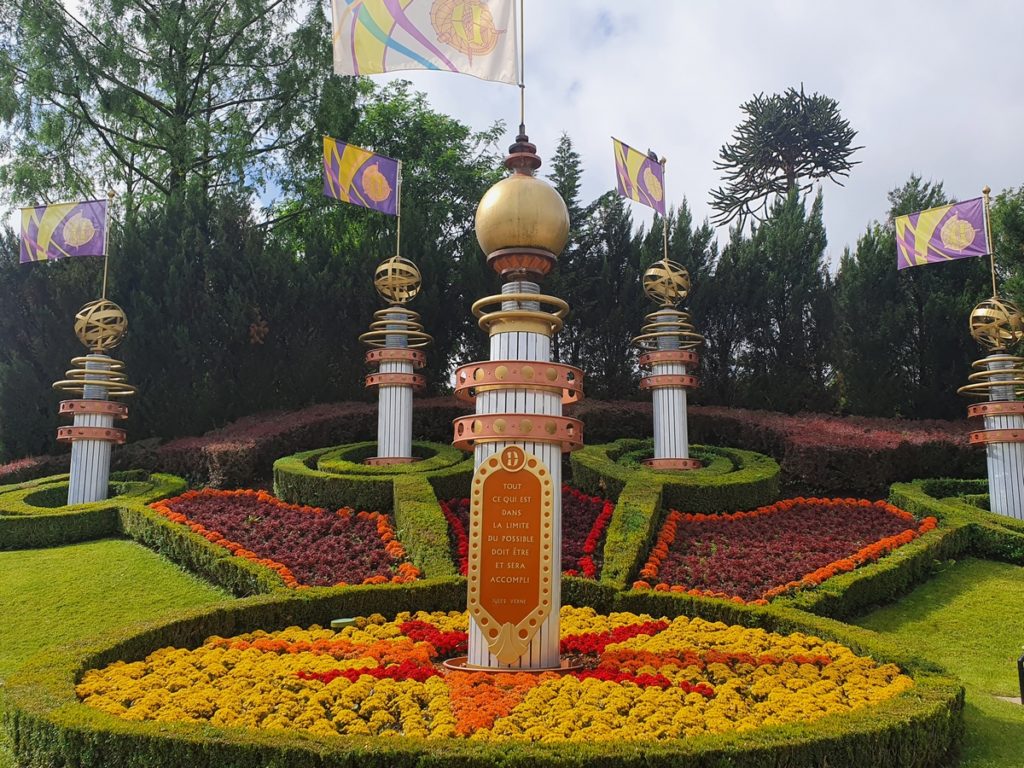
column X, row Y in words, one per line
column 970, row 619
column 53, row 596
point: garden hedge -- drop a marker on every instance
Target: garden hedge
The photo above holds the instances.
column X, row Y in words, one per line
column 33, row 514
column 730, row 480
column 920, row 728
column 334, row 478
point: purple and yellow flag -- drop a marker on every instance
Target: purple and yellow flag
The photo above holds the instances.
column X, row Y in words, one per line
column 360, row 177
column 474, row 37
column 57, row 231
column 955, row 231
column 641, row 178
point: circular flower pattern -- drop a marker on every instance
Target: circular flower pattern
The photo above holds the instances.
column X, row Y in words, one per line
column 639, row 679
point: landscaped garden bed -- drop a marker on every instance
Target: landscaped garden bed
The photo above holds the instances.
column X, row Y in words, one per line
column 774, row 550
column 639, row 679
column 306, row 546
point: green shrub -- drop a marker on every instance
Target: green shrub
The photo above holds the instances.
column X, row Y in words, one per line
column 304, row 478
column 31, row 515
column 731, row 480
column 422, row 527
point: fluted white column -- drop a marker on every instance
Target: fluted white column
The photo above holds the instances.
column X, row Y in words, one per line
column 1005, row 460
column 394, row 412
column 533, row 347
column 90, row 459
column 671, row 438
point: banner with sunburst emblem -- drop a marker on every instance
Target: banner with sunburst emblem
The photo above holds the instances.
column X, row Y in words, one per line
column 640, row 177
column 955, row 231
column 473, row 37
column 360, row 177
column 57, row 231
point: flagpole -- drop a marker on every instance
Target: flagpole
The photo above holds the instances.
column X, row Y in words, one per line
column 106, row 241
column 664, row 219
column 522, row 68
column 398, row 213
column 991, row 245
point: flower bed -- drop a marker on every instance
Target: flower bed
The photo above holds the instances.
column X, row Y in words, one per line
column 790, row 545
column 584, row 525
column 641, row 680
column 306, row 546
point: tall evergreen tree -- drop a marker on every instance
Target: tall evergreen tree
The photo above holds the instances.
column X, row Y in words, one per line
column 904, row 346
column 785, row 358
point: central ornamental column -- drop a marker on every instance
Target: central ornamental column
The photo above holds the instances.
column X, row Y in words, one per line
column 518, row 434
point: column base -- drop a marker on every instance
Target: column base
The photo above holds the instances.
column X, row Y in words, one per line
column 384, row 461
column 461, row 664
column 676, row 464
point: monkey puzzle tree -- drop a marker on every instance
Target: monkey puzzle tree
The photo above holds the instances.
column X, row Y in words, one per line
column 786, row 142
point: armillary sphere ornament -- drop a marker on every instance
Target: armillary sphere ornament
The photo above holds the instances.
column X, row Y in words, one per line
column 100, row 325
column 397, row 280
column 667, row 283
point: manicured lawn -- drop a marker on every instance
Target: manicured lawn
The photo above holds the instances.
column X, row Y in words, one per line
column 53, row 596
column 970, row 619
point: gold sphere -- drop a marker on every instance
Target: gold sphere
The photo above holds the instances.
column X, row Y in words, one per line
column 996, row 324
column 397, row 280
column 100, row 325
column 522, row 211
column 667, row 283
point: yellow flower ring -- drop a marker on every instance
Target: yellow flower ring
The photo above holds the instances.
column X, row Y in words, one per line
column 643, row 679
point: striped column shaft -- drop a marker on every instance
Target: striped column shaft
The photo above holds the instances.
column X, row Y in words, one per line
column 534, row 347
column 1005, row 460
column 394, row 412
column 671, row 438
column 90, row 459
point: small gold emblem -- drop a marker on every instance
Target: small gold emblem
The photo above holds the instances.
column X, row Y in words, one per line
column 78, row 231
column 957, row 233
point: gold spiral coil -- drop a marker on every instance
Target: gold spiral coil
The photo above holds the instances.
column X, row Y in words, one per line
column 546, row 322
column 111, row 378
column 668, row 324
column 984, row 380
column 386, row 324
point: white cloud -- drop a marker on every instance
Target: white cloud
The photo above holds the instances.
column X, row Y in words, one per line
column 932, row 87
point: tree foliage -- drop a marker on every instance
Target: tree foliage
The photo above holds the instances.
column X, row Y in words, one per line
column 786, row 142
column 154, row 96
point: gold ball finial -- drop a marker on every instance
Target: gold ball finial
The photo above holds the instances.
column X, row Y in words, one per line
column 997, row 324
column 522, row 211
column 667, row 283
column 397, row 280
column 100, row 325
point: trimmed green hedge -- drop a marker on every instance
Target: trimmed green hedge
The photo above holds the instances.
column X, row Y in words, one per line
column 333, row 477
column 730, row 480
column 920, row 728
column 33, row 514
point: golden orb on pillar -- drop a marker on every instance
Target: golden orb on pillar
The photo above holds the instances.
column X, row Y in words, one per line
column 397, row 280
column 522, row 211
column 997, row 324
column 100, row 325
column 667, row 283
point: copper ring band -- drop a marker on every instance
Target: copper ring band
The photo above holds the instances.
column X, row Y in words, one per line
column 387, row 461
column 684, row 356
column 515, row 374
column 94, row 408
column 103, row 434
column 392, row 354
column 414, row 380
column 518, row 427
column 672, row 464
column 665, row 380
column 997, row 436
column 996, row 408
